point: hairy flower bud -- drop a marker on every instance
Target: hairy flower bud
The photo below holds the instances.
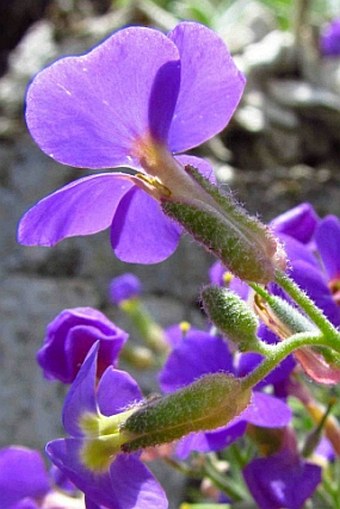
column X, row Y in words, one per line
column 231, row 315
column 206, row 404
column 243, row 244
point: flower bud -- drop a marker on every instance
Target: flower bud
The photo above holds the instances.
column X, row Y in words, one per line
column 208, row 403
column 232, row 316
column 243, row 244
column 124, row 287
column 70, row 336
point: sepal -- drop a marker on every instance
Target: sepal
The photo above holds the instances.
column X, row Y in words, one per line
column 242, row 243
column 206, row 404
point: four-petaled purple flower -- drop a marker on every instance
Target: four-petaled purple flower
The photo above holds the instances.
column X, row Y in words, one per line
column 91, row 456
column 70, row 336
column 132, row 101
column 26, row 484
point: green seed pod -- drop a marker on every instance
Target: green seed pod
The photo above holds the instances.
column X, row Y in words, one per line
column 232, row 316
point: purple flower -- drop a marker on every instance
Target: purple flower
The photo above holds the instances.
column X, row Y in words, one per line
column 124, row 287
column 281, row 480
column 91, row 456
column 198, row 354
column 23, row 477
column 70, row 336
column 299, row 222
column 312, row 245
column 330, row 39
column 133, row 101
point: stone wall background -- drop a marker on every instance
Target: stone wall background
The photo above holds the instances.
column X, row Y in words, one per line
column 281, row 148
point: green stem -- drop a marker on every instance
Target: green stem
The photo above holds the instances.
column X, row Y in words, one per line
column 220, row 481
column 311, row 310
column 280, row 352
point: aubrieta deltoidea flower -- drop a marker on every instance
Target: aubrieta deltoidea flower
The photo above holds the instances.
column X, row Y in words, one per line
column 25, row 482
column 90, row 457
column 70, row 336
column 134, row 101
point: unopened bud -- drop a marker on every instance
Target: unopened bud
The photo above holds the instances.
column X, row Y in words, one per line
column 232, row 316
column 206, row 404
column 243, row 244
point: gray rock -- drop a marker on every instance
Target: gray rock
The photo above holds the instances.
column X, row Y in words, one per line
column 302, row 95
column 36, row 49
column 274, row 53
column 244, row 23
column 29, row 405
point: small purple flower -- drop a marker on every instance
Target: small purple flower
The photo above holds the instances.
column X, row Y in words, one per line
column 132, row 101
column 124, row 287
column 70, row 336
column 91, row 457
column 312, row 245
column 330, row 39
column 282, row 480
column 198, row 354
column 23, row 478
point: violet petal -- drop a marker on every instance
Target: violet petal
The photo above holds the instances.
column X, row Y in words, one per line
column 88, row 111
column 22, row 474
column 116, row 390
column 140, row 232
column 83, row 207
column 211, row 86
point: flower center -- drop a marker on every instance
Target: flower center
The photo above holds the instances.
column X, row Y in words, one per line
column 103, row 439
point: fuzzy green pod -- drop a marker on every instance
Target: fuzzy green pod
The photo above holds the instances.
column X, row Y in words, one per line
column 206, row 404
column 232, row 316
column 242, row 243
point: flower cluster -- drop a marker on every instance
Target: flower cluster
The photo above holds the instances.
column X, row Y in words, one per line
column 135, row 103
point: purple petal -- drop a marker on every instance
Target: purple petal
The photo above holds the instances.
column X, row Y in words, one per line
column 65, row 454
column 297, row 251
column 299, row 222
column 70, row 336
column 116, row 391
column 140, row 231
column 327, row 238
column 88, row 111
column 198, row 354
column 83, row 207
column 163, row 99
column 22, row 474
column 81, row 396
column 25, row 503
column 211, row 86
column 279, row 481
column 128, row 484
column 135, row 486
column 83, row 337
column 212, row 441
column 330, row 39
column 266, row 411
